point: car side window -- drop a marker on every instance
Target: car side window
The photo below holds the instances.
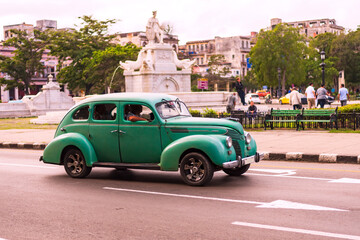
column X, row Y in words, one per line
column 138, row 112
column 81, row 114
column 104, row 111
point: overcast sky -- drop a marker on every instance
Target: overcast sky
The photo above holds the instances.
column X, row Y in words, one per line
column 192, row 19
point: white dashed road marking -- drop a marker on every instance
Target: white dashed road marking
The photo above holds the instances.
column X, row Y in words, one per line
column 297, row 230
column 275, row 204
column 24, row 165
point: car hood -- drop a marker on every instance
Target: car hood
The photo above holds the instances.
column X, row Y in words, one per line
column 199, row 121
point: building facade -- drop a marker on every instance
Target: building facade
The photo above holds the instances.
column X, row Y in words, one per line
column 140, row 39
column 311, row 28
column 49, row 62
column 235, row 50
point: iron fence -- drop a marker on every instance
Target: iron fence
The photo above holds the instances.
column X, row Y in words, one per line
column 344, row 121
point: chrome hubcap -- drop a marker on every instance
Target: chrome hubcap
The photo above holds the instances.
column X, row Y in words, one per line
column 194, row 169
column 76, row 163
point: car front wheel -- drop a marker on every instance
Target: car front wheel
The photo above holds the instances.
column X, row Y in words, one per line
column 237, row 171
column 75, row 165
column 196, row 169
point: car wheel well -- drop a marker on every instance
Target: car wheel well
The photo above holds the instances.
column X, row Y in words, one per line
column 193, row 150
column 67, row 148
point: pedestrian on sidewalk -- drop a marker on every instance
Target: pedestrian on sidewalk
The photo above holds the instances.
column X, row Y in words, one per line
column 343, row 95
column 231, row 103
column 321, row 95
column 310, row 95
column 295, row 99
column 240, row 90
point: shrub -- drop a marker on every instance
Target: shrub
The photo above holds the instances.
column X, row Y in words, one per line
column 350, row 108
column 194, row 113
column 225, row 114
column 210, row 113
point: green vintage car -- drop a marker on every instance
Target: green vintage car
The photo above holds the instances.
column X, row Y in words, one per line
column 148, row 131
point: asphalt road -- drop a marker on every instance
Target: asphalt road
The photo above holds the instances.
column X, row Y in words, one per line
column 273, row 200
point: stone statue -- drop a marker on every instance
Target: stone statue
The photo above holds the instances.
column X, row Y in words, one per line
column 183, row 64
column 144, row 61
column 154, row 31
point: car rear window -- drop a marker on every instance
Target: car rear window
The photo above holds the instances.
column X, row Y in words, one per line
column 255, row 96
column 81, row 114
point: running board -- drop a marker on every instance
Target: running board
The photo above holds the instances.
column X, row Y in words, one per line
column 149, row 166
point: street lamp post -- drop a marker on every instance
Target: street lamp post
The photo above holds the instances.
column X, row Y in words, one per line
column 279, row 86
column 322, row 55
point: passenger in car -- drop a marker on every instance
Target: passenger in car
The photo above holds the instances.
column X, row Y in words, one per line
column 133, row 113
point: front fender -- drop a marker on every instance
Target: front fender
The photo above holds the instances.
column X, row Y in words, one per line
column 214, row 146
column 53, row 151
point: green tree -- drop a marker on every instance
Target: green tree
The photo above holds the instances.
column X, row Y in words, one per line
column 282, row 48
column 103, row 64
column 78, row 47
column 322, row 42
column 217, row 70
column 347, row 49
column 25, row 63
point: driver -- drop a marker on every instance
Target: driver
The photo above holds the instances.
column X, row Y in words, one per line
column 132, row 113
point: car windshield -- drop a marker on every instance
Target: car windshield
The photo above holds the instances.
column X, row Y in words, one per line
column 169, row 109
column 255, row 96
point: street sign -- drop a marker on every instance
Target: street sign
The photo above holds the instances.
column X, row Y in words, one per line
column 203, row 83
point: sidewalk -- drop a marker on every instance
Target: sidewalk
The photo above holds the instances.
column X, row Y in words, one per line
column 277, row 144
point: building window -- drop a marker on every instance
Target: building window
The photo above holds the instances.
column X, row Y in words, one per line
column 243, row 57
column 201, row 47
column 242, row 44
column 247, row 44
column 205, row 46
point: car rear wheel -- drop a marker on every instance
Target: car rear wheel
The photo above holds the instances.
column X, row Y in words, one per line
column 237, row 171
column 75, row 164
column 196, row 169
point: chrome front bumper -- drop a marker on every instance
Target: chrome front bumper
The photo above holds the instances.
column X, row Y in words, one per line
column 243, row 161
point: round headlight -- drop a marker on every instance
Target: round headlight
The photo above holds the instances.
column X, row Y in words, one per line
column 248, row 138
column 229, row 142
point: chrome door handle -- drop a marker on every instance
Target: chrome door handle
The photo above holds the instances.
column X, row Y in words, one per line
column 63, row 129
column 122, row 132
column 114, row 131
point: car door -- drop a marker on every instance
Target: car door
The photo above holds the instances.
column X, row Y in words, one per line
column 103, row 131
column 139, row 140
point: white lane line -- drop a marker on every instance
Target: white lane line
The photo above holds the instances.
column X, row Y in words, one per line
column 287, row 176
column 24, row 165
column 275, row 204
column 297, row 230
column 287, row 173
column 184, row 196
column 346, row 180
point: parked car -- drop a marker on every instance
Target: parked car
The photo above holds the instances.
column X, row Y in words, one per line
column 148, row 131
column 24, row 98
column 286, row 99
column 252, row 97
column 262, row 93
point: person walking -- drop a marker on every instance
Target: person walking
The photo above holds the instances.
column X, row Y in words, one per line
column 231, row 103
column 240, row 90
column 295, row 99
column 343, row 95
column 321, row 95
column 310, row 95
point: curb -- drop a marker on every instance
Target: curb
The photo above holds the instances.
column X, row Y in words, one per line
column 290, row 156
column 30, row 146
column 321, row 158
